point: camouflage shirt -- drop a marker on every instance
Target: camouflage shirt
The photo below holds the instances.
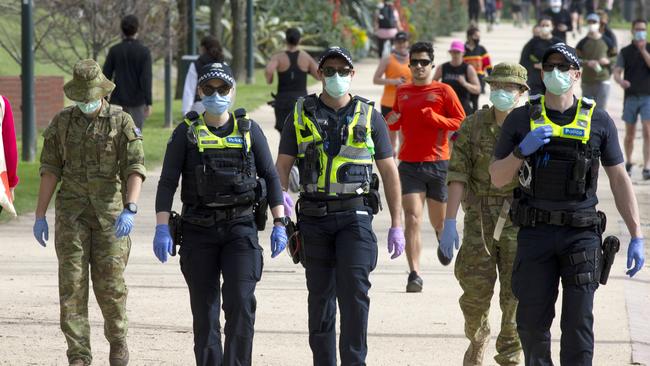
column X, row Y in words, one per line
column 472, row 154
column 92, row 159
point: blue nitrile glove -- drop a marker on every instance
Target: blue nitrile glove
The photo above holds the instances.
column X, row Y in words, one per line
column 278, row 240
column 449, row 238
column 41, row 231
column 635, row 256
column 124, row 223
column 536, row 139
column 162, row 242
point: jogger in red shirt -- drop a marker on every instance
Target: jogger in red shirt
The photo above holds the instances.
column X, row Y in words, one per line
column 424, row 112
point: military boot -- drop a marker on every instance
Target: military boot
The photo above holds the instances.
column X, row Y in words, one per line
column 474, row 354
column 119, row 355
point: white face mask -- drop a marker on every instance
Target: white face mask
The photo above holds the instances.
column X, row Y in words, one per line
column 546, row 30
column 594, row 27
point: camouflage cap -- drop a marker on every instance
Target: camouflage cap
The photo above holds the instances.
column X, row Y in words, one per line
column 508, row 72
column 88, row 82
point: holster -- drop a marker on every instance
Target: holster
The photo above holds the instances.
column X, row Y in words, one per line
column 295, row 243
column 610, row 247
column 374, row 198
column 261, row 206
column 176, row 230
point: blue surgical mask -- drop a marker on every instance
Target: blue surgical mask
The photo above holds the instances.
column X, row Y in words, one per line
column 556, row 9
column 216, row 104
column 557, row 82
column 503, row 100
column 90, row 107
column 640, row 35
column 336, row 86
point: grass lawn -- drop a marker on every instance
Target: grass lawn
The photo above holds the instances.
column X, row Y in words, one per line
column 155, row 141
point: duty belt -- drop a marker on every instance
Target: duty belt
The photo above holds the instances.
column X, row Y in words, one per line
column 208, row 218
column 322, row 208
column 530, row 216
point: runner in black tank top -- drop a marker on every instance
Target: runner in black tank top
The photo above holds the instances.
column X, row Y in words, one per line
column 450, row 76
column 292, row 84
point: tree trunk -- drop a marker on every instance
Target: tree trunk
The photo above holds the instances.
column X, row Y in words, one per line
column 180, row 29
column 216, row 13
column 238, row 9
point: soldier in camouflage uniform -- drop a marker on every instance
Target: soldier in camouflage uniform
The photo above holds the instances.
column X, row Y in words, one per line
column 490, row 239
column 95, row 150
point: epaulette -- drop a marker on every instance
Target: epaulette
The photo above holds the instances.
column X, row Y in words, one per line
column 364, row 100
column 243, row 122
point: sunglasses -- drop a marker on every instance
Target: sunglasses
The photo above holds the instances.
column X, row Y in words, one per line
column 422, row 63
column 330, row 71
column 210, row 90
column 563, row 67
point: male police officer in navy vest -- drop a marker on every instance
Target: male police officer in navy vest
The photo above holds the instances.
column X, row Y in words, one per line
column 556, row 143
column 336, row 137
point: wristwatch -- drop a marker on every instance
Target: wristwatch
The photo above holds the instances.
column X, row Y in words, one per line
column 284, row 221
column 518, row 154
column 131, row 207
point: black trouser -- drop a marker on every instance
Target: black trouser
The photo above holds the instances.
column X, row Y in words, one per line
column 536, row 275
column 229, row 249
column 473, row 10
column 340, row 252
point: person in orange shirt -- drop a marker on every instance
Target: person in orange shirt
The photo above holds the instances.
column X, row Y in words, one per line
column 393, row 71
column 424, row 112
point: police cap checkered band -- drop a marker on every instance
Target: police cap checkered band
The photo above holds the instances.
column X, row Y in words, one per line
column 569, row 53
column 336, row 51
column 217, row 70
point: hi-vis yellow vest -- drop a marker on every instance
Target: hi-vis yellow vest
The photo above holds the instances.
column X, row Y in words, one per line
column 578, row 129
column 207, row 140
column 357, row 152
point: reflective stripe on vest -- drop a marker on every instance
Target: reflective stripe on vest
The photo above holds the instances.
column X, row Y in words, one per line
column 205, row 139
column 578, row 129
column 351, row 152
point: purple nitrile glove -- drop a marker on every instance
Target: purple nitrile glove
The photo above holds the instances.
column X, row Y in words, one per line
column 287, row 202
column 396, row 242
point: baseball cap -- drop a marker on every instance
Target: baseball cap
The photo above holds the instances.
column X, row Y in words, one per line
column 336, row 51
column 593, row 17
column 457, row 45
column 401, row 36
column 217, row 70
column 569, row 53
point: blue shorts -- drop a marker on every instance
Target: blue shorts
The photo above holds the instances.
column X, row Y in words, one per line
column 635, row 105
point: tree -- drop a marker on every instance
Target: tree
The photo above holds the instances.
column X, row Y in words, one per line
column 238, row 10
column 216, row 13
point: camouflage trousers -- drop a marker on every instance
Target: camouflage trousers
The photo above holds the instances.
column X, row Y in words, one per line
column 81, row 244
column 480, row 261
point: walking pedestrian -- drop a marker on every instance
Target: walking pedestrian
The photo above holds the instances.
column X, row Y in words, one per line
column 460, row 76
column 605, row 30
column 632, row 73
column 561, row 19
column 489, row 238
column 560, row 231
column 128, row 64
column 210, row 52
column 225, row 165
column 531, row 54
column 598, row 55
column 386, row 25
column 8, row 157
column 525, row 11
column 515, row 9
column 424, row 112
column 393, row 71
column 336, row 137
column 95, row 150
column 576, row 9
column 292, row 66
column 477, row 56
column 474, row 10
column 490, row 7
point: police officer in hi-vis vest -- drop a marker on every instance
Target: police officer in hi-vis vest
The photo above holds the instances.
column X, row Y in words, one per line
column 336, row 138
column 227, row 177
column 556, row 143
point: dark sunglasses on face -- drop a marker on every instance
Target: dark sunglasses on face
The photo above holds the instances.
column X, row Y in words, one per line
column 210, row 90
column 330, row 71
column 416, row 62
column 563, row 67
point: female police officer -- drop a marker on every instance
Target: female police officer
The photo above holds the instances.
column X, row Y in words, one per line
column 220, row 157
